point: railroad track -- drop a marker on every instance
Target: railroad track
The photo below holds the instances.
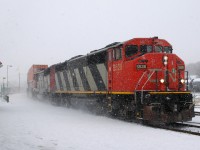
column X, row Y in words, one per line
column 196, row 106
column 187, row 125
column 197, row 113
column 180, row 127
column 194, row 122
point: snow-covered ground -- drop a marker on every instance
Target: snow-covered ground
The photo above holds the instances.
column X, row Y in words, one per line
column 196, row 98
column 26, row 124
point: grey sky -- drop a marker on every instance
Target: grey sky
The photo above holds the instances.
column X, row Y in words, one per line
column 52, row 31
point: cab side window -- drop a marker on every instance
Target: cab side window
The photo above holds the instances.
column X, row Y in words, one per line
column 130, row 50
column 117, row 53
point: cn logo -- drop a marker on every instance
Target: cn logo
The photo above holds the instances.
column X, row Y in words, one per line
column 172, row 75
column 152, row 72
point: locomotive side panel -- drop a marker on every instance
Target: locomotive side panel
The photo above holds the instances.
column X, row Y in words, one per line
column 85, row 74
column 47, row 83
column 58, row 81
column 52, row 79
column 70, row 85
column 75, row 78
column 91, row 82
column 64, row 86
column 97, row 70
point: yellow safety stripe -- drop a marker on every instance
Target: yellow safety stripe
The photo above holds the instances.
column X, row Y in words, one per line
column 114, row 92
column 126, row 93
column 92, row 92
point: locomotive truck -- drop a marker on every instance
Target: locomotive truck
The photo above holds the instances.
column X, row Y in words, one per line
column 137, row 79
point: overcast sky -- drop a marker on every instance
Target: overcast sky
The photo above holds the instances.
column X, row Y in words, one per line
column 52, row 31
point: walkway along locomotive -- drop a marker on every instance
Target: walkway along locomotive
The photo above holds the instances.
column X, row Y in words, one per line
column 137, row 79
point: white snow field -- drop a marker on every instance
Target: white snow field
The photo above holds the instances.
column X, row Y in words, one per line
column 26, row 124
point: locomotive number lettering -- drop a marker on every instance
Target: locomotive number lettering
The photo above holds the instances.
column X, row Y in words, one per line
column 141, row 66
column 117, row 67
column 181, row 67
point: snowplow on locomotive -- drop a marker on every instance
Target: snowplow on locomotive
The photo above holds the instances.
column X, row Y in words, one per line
column 136, row 79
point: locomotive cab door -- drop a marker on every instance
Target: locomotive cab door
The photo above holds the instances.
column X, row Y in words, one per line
column 115, row 69
column 110, row 69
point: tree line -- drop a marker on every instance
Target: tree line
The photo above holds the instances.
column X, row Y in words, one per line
column 193, row 68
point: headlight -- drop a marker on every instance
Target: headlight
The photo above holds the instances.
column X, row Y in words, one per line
column 182, row 81
column 165, row 60
column 165, row 63
column 162, row 80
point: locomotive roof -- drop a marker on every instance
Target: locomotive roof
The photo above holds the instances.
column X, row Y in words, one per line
column 106, row 47
column 115, row 44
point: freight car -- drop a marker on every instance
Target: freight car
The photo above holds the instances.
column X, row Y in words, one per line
column 137, row 79
column 33, row 89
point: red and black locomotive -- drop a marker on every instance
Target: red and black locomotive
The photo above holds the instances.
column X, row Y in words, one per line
column 136, row 79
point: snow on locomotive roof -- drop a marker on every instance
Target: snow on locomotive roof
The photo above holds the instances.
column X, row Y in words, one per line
column 96, row 51
column 106, row 47
column 75, row 57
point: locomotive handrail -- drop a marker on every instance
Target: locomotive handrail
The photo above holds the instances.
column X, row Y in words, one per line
column 144, row 85
column 138, row 85
column 140, row 80
column 187, row 84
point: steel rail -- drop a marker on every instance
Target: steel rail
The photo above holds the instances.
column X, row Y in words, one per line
column 197, row 113
column 176, row 130
column 187, row 125
column 193, row 122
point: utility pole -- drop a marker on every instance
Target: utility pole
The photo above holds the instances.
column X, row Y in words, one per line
column 19, row 81
column 1, row 65
column 3, row 88
column 7, row 74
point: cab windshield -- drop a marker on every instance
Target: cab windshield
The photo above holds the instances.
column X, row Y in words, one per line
column 145, row 48
column 161, row 49
column 131, row 50
column 167, row 49
column 158, row 49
